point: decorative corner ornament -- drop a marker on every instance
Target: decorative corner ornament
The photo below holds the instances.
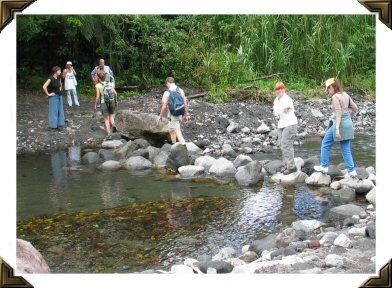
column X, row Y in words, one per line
column 383, row 7
column 8, row 9
column 384, row 278
column 8, row 280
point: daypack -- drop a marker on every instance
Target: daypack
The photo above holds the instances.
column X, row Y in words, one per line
column 176, row 103
column 108, row 91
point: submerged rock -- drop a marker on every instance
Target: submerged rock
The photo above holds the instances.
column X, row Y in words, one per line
column 250, row 174
column 191, row 171
column 137, row 163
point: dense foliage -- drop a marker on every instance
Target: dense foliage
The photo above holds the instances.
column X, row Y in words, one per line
column 218, row 52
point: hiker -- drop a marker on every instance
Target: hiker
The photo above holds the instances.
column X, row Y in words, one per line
column 174, row 101
column 107, row 71
column 341, row 128
column 70, row 84
column 287, row 126
column 52, row 89
column 106, row 96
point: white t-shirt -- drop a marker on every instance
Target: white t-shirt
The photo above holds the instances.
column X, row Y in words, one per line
column 166, row 95
column 70, row 81
column 285, row 119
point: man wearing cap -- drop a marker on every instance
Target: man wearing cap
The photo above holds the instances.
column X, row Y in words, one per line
column 70, row 84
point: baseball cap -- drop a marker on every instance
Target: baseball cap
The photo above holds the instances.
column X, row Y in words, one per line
column 69, row 63
column 330, row 81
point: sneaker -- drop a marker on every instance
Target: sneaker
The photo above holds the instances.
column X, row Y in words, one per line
column 352, row 174
column 321, row 169
column 109, row 137
column 114, row 129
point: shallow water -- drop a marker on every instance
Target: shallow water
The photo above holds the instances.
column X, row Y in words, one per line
column 85, row 220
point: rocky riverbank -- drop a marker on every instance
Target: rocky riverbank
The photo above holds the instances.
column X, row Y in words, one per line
column 222, row 139
column 246, row 126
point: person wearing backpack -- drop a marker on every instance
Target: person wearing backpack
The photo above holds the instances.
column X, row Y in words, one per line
column 52, row 89
column 175, row 102
column 341, row 128
column 106, row 96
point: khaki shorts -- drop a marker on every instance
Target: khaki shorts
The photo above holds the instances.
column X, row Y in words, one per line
column 174, row 123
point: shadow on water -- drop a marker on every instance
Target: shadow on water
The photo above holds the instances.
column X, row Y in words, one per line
column 86, row 220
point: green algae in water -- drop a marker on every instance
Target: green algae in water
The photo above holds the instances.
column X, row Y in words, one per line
column 130, row 238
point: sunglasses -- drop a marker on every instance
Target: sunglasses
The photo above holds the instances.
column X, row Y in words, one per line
column 280, row 88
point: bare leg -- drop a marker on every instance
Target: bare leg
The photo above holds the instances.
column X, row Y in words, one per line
column 180, row 137
column 111, row 118
column 107, row 124
column 173, row 136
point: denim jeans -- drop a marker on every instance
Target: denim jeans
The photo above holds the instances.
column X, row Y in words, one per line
column 345, row 147
column 56, row 111
column 71, row 92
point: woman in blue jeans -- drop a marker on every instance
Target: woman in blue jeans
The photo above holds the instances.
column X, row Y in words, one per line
column 52, row 89
column 341, row 128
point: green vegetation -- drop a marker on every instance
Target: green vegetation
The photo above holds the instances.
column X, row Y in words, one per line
column 218, row 52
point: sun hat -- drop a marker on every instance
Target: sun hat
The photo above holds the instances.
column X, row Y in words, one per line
column 69, row 63
column 330, row 81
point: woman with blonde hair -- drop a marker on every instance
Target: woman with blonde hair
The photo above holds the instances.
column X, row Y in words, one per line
column 287, row 126
column 341, row 128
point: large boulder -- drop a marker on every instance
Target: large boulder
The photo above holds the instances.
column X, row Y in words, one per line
column 250, row 174
column 111, row 165
column 142, row 125
column 191, row 171
column 223, row 168
column 106, row 154
column 228, row 150
column 178, row 156
column 152, row 152
column 348, row 210
column 112, row 144
column 121, row 152
column 309, row 163
column 219, row 266
column 273, row 167
column 205, row 161
column 161, row 158
column 137, row 163
column 28, row 259
column 139, row 152
column 241, row 160
column 91, row 157
column 286, row 237
column 360, row 186
column 371, row 196
column 306, row 226
column 345, row 195
column 192, row 148
column 289, row 179
column 318, row 179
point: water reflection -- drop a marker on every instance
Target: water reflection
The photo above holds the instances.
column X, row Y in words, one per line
column 309, row 204
column 178, row 204
column 58, row 188
column 110, row 189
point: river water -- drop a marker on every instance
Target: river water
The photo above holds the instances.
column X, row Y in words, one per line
column 87, row 220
